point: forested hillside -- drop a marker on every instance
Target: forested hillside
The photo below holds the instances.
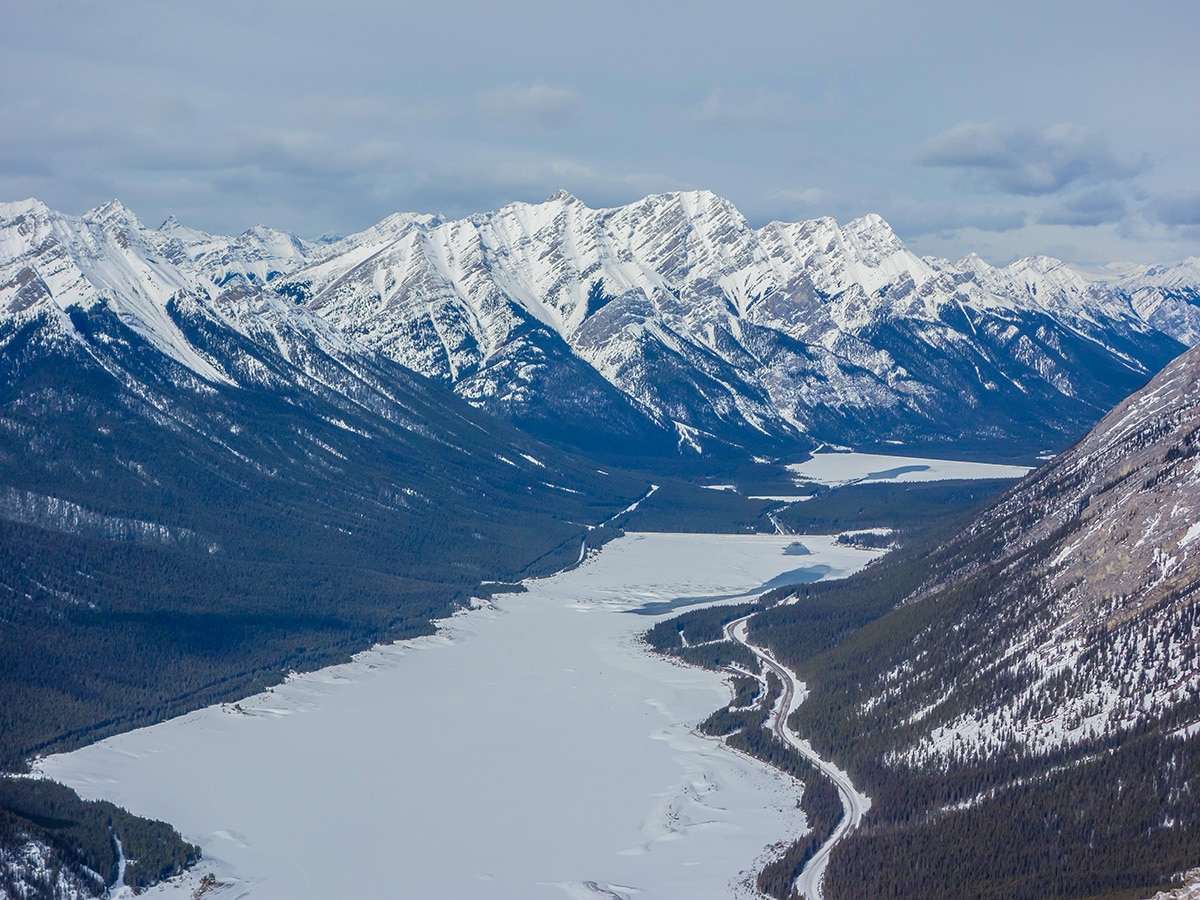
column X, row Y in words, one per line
column 1020, row 696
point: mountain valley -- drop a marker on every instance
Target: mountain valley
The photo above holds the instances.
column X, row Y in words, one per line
column 228, row 458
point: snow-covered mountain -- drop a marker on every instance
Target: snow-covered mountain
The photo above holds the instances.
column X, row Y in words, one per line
column 809, row 331
column 221, row 459
column 204, row 487
column 667, row 323
column 1167, row 297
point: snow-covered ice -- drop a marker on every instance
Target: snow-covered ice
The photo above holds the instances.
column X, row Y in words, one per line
column 848, row 468
column 530, row 749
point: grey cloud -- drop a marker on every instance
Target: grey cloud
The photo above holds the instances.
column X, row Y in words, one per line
column 538, row 105
column 1024, row 161
column 808, row 197
column 945, row 220
column 367, row 112
column 1095, row 207
column 1178, row 209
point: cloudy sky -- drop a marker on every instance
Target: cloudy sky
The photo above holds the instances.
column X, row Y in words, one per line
column 1069, row 128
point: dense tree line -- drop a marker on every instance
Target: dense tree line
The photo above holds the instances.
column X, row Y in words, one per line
column 697, row 626
column 680, row 506
column 904, row 506
column 696, row 637
column 746, row 691
column 736, row 717
column 1112, row 824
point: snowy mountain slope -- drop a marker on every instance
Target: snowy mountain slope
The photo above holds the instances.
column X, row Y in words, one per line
column 1037, row 676
column 1168, row 297
column 204, row 315
column 107, row 258
column 103, row 258
column 1107, row 544
column 1044, row 604
column 257, row 255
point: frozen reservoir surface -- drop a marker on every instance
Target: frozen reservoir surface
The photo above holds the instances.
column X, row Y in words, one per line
column 530, row 749
column 838, row 468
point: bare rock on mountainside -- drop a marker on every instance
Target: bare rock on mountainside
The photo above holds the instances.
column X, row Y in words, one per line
column 1128, row 495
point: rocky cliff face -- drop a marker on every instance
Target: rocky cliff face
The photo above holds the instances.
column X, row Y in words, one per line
column 1090, row 623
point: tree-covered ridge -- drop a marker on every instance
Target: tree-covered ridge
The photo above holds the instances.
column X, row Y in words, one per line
column 1082, row 822
column 1112, row 827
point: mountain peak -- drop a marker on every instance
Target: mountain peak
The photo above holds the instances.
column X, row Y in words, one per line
column 15, row 208
column 562, row 195
column 113, row 212
column 172, row 226
column 873, row 228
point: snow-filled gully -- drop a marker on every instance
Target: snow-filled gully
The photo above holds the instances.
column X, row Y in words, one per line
column 854, row 803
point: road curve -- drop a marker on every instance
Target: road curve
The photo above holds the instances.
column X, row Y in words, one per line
column 854, row 803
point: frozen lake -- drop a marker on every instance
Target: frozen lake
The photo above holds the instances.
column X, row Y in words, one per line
column 854, row 468
column 530, row 749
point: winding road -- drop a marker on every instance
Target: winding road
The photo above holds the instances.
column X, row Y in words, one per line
column 854, row 803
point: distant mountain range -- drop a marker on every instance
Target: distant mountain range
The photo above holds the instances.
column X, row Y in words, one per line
column 669, row 325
